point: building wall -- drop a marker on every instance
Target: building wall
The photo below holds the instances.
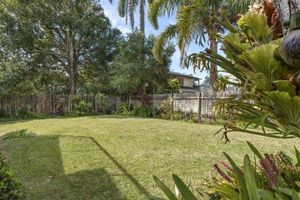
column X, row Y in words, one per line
column 188, row 82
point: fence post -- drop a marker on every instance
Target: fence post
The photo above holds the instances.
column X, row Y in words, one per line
column 199, row 107
column 70, row 102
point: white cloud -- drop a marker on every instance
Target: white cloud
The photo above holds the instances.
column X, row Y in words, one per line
column 116, row 21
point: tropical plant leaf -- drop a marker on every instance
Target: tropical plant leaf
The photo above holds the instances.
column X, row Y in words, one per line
column 285, row 86
column 290, row 192
column 297, row 156
column 164, row 188
column 227, row 190
column 183, row 189
column 256, row 27
column 286, row 108
column 240, row 178
column 249, row 173
column 261, row 60
column 265, row 194
column 254, row 150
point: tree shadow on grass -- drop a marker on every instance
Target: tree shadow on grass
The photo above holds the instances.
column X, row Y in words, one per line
column 37, row 161
column 60, row 167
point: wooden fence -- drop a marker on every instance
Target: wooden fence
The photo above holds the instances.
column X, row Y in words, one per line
column 52, row 104
column 59, row 104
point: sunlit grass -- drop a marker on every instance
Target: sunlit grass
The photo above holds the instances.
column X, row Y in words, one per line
column 114, row 157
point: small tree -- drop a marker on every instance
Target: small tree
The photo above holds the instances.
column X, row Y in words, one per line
column 131, row 70
column 173, row 86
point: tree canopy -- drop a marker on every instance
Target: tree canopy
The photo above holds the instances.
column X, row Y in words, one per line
column 134, row 66
column 57, row 38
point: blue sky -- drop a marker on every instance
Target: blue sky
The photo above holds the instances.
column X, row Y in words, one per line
column 118, row 22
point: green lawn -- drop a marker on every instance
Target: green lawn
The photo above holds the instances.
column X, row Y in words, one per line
column 114, row 157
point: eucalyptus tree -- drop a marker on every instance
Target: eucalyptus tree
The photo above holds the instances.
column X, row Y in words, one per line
column 66, row 36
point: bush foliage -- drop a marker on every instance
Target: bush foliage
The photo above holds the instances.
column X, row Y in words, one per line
column 9, row 186
column 82, row 108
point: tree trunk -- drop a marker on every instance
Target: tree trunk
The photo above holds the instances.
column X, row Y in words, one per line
column 71, row 64
column 143, row 96
column 129, row 101
column 285, row 9
column 72, row 81
column 213, row 46
column 172, row 101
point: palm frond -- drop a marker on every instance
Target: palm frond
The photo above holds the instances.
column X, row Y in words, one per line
column 240, row 6
column 169, row 33
column 192, row 22
column 132, row 6
column 122, row 7
column 160, row 8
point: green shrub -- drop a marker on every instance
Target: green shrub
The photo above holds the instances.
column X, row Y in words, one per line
column 76, row 99
column 2, row 113
column 166, row 112
column 172, row 115
column 9, row 186
column 186, row 116
column 22, row 113
column 166, row 105
column 123, row 109
column 103, row 101
column 138, row 111
column 147, row 112
column 82, row 108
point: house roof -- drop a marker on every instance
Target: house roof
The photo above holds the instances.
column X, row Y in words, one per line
column 184, row 75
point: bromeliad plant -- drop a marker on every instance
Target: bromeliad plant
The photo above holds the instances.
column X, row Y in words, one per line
column 266, row 73
column 268, row 177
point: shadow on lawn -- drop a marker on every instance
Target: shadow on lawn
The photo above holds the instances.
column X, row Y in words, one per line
column 39, row 163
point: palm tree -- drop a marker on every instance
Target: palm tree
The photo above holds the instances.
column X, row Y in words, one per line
column 195, row 21
column 127, row 8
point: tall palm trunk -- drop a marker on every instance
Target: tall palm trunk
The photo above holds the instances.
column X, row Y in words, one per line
column 142, row 30
column 213, row 71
